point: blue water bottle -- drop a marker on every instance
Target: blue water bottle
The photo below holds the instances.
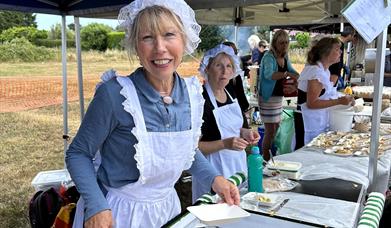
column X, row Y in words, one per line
column 255, row 170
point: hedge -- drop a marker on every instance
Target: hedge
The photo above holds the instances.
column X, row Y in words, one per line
column 53, row 43
column 114, row 40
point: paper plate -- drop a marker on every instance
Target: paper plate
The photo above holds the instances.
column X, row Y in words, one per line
column 262, row 199
column 217, row 214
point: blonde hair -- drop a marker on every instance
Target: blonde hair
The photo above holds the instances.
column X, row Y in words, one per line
column 155, row 19
column 211, row 60
column 278, row 36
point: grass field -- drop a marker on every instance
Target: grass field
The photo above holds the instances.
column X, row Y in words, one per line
column 31, row 140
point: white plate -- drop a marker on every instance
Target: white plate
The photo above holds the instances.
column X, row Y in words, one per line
column 254, row 198
column 333, row 150
column 284, row 166
column 360, row 153
column 217, row 214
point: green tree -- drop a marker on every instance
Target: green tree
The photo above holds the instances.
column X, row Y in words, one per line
column 71, row 26
column 55, row 33
column 263, row 32
column 9, row 19
column 94, row 36
column 30, row 33
column 302, row 39
column 210, row 36
column 114, row 40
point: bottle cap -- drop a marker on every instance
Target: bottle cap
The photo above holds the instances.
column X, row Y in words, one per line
column 255, row 150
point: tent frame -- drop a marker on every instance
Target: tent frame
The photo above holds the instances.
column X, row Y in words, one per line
column 92, row 8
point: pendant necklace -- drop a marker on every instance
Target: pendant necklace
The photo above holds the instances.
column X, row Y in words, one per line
column 166, row 98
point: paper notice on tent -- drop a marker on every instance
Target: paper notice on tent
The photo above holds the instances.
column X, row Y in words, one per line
column 368, row 17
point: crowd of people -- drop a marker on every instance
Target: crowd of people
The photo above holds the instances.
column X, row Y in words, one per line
column 150, row 126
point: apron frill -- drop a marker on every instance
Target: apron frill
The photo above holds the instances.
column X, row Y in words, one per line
column 161, row 157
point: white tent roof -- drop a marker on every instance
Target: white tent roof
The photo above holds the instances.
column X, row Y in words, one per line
column 243, row 12
column 277, row 12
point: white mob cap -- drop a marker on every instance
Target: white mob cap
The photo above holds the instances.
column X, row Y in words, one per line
column 211, row 53
column 179, row 7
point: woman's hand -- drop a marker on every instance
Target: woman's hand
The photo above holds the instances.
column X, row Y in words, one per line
column 292, row 75
column 288, row 89
column 226, row 190
column 103, row 219
column 235, row 143
column 346, row 100
column 291, row 83
column 251, row 136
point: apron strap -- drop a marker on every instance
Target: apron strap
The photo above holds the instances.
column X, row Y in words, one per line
column 212, row 96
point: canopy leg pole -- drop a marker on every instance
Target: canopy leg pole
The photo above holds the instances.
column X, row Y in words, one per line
column 79, row 66
column 376, row 108
column 236, row 34
column 64, row 81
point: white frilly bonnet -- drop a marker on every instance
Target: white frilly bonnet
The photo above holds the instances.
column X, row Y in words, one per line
column 192, row 29
column 211, row 53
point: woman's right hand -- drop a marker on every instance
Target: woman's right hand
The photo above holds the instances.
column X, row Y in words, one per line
column 103, row 219
column 345, row 100
column 235, row 143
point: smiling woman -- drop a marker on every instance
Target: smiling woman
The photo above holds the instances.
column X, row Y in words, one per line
column 146, row 140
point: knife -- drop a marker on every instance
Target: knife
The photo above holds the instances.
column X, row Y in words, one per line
column 271, row 157
column 274, row 210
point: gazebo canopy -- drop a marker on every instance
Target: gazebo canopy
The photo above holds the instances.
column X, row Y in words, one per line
column 220, row 12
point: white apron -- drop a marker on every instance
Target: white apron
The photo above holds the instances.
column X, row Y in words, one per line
column 161, row 157
column 316, row 121
column 229, row 120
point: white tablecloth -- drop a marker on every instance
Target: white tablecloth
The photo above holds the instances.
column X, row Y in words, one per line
column 317, row 165
column 315, row 209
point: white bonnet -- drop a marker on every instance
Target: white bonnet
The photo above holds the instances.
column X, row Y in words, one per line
column 192, row 29
column 211, row 53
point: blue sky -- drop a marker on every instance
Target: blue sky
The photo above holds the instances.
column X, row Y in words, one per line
column 46, row 21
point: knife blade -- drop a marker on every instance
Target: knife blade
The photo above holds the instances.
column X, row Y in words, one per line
column 271, row 157
column 274, row 210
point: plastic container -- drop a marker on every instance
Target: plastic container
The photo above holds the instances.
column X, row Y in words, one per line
column 53, row 178
column 255, row 170
column 262, row 199
column 286, row 169
column 341, row 119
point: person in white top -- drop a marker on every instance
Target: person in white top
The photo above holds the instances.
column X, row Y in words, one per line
column 316, row 92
